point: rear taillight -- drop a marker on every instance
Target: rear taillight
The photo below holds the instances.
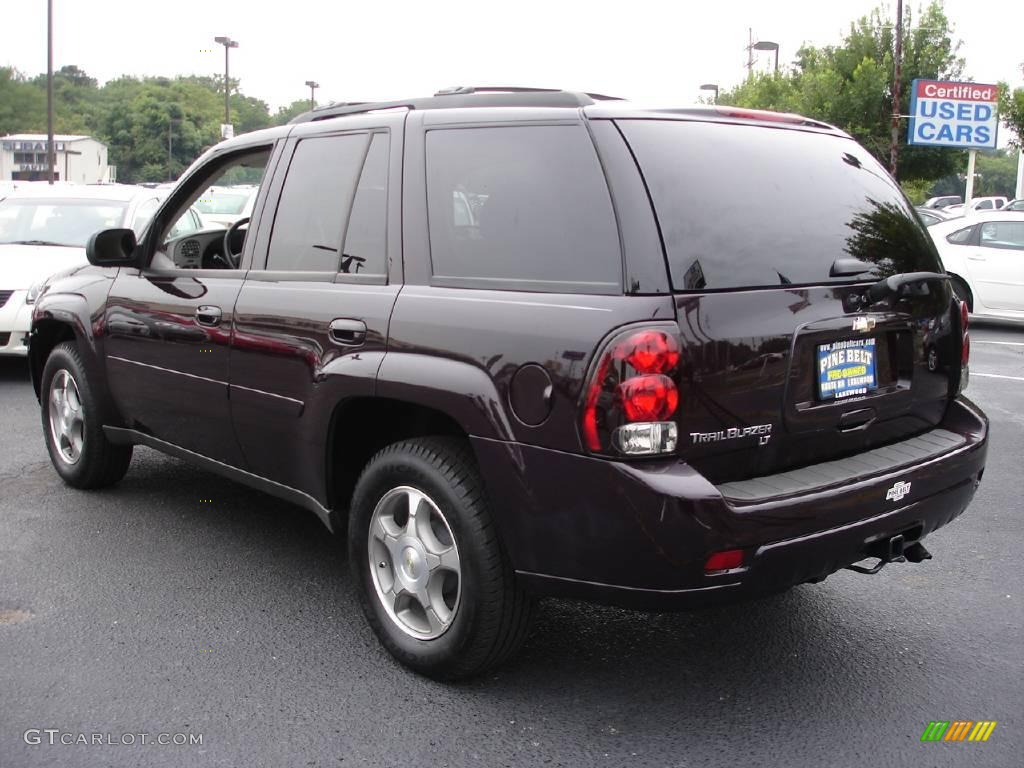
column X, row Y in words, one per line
column 631, row 397
column 965, row 352
column 965, row 347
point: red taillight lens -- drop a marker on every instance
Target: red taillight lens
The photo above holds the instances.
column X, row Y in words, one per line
column 649, row 398
column 724, row 561
column 965, row 347
column 631, row 398
column 649, row 352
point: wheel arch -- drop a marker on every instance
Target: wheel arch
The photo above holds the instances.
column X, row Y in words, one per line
column 362, row 426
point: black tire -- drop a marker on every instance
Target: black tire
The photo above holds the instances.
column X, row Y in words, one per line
column 962, row 292
column 494, row 612
column 99, row 463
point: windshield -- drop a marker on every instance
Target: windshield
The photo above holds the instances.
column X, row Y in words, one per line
column 222, row 202
column 746, row 206
column 46, row 221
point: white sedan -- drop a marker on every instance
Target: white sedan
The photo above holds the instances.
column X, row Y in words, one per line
column 44, row 229
column 985, row 257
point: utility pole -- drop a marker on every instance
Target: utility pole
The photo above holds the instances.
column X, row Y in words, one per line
column 51, row 153
column 897, row 80
column 750, row 51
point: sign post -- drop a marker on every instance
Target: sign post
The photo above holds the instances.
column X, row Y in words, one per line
column 955, row 115
column 972, row 157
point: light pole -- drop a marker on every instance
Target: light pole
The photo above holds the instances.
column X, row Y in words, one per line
column 767, row 45
column 313, row 85
column 51, row 156
column 228, row 44
column 711, row 87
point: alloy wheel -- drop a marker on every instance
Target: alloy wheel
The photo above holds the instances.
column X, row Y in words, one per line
column 415, row 563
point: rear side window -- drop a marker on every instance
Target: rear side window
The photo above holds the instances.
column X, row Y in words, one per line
column 365, row 251
column 961, row 236
column 747, row 206
column 1003, row 234
column 314, row 203
column 522, row 208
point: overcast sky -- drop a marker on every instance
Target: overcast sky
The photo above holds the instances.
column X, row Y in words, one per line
column 649, row 51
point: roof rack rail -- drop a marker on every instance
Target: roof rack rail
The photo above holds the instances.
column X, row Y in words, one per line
column 463, row 96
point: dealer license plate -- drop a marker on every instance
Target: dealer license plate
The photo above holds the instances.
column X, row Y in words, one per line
column 846, row 369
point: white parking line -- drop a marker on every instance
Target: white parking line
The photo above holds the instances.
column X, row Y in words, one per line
column 1004, row 343
column 996, row 376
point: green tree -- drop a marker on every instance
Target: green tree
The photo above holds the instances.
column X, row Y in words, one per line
column 22, row 105
column 1011, row 110
column 849, row 85
column 296, row 108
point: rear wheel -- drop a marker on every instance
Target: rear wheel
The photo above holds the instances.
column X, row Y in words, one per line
column 433, row 580
column 78, row 448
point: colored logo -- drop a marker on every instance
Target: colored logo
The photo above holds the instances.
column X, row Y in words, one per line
column 898, row 491
column 958, row 730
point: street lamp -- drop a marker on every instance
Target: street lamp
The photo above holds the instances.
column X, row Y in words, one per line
column 711, row 87
column 767, row 45
column 313, row 85
column 228, row 44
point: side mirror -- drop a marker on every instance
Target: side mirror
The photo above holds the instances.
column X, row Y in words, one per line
column 112, row 248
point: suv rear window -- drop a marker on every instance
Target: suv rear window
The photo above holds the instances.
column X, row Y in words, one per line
column 522, row 208
column 747, row 206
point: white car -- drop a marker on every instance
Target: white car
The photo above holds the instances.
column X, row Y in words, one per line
column 44, row 229
column 985, row 257
column 223, row 206
column 977, row 204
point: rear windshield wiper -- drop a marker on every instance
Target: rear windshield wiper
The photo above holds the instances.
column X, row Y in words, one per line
column 905, row 283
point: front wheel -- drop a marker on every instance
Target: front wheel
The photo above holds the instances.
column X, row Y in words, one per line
column 79, row 450
column 433, row 580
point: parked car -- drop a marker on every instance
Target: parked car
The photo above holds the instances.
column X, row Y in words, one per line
column 44, row 230
column 984, row 255
column 977, row 204
column 943, row 201
column 222, row 206
column 1014, row 205
column 587, row 388
column 932, row 215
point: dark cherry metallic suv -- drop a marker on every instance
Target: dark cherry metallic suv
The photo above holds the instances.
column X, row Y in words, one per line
column 531, row 343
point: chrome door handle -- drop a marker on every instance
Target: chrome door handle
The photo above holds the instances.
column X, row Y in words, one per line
column 976, row 258
column 208, row 315
column 348, row 332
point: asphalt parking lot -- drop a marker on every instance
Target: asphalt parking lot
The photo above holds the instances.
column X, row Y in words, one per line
column 178, row 602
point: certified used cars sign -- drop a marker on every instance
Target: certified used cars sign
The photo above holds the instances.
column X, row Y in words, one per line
column 950, row 114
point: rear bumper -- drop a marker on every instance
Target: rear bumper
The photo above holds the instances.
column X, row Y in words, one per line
column 638, row 535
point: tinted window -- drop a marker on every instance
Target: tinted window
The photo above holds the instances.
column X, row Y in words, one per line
column 819, row 198
column 961, row 236
column 365, row 238
column 315, row 199
column 985, row 205
column 1003, row 234
column 521, row 207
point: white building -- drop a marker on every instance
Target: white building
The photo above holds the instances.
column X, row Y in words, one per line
column 79, row 159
